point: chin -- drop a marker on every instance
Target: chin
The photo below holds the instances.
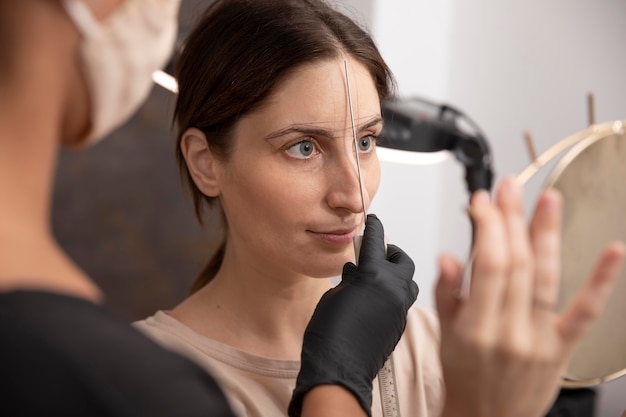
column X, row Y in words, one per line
column 329, row 266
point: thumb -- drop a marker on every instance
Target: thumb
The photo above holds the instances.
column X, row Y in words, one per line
column 373, row 244
column 349, row 272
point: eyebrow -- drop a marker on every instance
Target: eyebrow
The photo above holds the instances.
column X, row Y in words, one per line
column 315, row 131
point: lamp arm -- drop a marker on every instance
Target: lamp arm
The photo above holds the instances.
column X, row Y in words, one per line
column 473, row 152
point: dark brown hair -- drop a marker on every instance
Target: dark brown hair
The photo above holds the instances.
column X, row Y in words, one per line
column 236, row 56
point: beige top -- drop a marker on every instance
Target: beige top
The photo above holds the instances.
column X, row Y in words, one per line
column 261, row 387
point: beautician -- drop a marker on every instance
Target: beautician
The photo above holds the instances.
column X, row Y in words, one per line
column 70, row 73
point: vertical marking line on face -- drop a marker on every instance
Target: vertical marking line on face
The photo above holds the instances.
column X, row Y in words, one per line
column 356, row 146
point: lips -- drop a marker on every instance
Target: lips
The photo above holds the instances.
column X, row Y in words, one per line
column 338, row 237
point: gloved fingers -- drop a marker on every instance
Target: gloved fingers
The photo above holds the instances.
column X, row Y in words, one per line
column 373, row 245
column 397, row 256
column 414, row 292
column 403, row 270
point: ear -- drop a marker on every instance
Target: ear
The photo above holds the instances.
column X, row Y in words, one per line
column 201, row 163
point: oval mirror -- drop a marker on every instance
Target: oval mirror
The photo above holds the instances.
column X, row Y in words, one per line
column 591, row 176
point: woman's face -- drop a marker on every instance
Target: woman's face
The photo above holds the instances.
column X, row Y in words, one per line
column 290, row 189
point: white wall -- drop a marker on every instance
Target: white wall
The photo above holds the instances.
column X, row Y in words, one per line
column 529, row 65
column 511, row 66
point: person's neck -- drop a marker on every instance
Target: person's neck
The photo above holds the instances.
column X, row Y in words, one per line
column 29, row 135
column 261, row 312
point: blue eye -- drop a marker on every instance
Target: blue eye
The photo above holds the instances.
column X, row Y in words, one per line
column 303, row 149
column 366, row 143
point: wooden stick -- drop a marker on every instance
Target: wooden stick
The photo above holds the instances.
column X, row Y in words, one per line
column 591, row 109
column 530, row 147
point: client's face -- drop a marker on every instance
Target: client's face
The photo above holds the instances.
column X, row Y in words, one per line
column 290, row 189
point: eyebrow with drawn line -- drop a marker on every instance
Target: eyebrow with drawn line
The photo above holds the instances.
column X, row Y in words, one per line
column 315, row 131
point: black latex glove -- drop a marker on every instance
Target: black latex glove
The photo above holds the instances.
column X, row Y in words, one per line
column 357, row 324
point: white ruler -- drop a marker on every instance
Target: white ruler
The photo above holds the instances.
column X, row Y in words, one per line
column 388, row 389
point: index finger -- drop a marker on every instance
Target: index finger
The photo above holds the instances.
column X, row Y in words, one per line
column 490, row 261
column 545, row 232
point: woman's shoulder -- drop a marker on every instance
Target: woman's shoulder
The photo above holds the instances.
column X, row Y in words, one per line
column 423, row 320
column 421, row 339
column 175, row 335
column 171, row 334
column 160, row 326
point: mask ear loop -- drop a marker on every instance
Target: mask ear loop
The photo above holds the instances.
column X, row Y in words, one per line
column 82, row 17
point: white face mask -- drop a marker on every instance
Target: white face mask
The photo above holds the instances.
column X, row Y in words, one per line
column 119, row 56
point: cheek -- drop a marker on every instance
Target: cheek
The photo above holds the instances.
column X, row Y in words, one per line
column 267, row 197
column 372, row 182
column 252, row 195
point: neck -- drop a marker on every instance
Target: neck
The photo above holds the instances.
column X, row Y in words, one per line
column 259, row 312
column 29, row 256
column 31, row 121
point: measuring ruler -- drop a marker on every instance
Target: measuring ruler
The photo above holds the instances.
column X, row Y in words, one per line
column 388, row 389
column 387, row 375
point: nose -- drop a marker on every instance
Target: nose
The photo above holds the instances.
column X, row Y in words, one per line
column 344, row 192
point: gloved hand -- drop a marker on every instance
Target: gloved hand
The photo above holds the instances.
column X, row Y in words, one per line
column 357, row 324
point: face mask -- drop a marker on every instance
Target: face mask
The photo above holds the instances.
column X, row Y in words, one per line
column 119, row 56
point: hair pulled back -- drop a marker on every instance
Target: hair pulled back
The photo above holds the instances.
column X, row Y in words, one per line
column 236, row 56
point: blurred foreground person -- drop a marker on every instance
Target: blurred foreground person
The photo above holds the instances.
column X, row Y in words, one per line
column 70, row 73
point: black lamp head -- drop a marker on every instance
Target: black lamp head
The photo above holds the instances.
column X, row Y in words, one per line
column 419, row 125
